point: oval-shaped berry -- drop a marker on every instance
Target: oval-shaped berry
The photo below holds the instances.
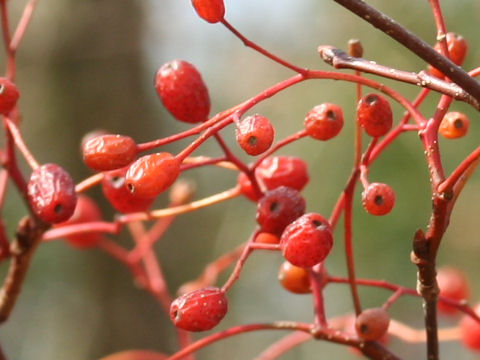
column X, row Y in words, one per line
column 372, row 324
column 254, row 134
column 86, row 211
column 454, row 125
column 294, row 279
column 457, row 49
column 324, row 121
column 152, row 174
column 199, row 310
column 374, row 115
column 276, row 171
column 453, row 284
column 470, row 330
column 109, row 152
column 378, row 199
column 8, row 95
column 116, row 192
column 51, row 193
column 182, row 91
column 212, row 11
column 278, row 208
column 307, row 241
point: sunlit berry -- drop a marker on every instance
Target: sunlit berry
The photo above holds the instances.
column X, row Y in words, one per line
column 454, row 125
column 457, row 49
column 109, row 152
column 324, row 121
column 119, row 196
column 378, row 199
column 374, row 115
column 199, row 310
column 277, row 171
column 152, row 174
column 470, row 330
column 453, row 284
column 307, row 241
column 254, row 134
column 51, row 193
column 294, row 279
column 212, row 11
column 8, row 95
column 372, row 324
column 278, row 208
column 182, row 91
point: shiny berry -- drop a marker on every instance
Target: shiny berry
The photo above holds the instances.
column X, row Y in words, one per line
column 324, row 121
column 212, row 11
column 8, row 95
column 278, row 208
column 109, row 152
column 199, row 310
column 152, row 174
column 294, row 279
column 181, row 89
column 372, row 324
column 454, row 125
column 86, row 211
column 278, row 171
column 453, row 284
column 374, row 115
column 51, row 193
column 470, row 331
column 307, row 241
column 457, row 49
column 116, row 192
column 378, row 199
column 267, row 238
column 254, row 134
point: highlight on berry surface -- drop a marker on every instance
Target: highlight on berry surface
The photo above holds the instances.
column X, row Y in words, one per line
column 454, row 125
column 8, row 95
column 212, row 11
column 324, row 121
column 254, row 134
column 182, row 91
column 276, row 171
column 294, row 279
column 109, row 152
column 374, row 115
column 378, row 199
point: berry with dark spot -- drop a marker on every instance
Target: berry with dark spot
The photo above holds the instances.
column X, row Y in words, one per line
column 374, row 115
column 254, row 134
column 324, row 121
column 372, row 324
column 454, row 125
column 378, row 199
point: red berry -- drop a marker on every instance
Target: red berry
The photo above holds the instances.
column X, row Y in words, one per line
column 254, row 134
column 294, row 279
column 307, row 241
column 152, row 174
column 109, row 152
column 457, row 49
column 324, row 121
column 246, row 187
column 453, row 284
column 51, row 193
column 118, row 195
column 374, row 115
column 8, row 95
column 278, row 208
column 267, row 238
column 470, row 330
column 212, row 11
column 454, row 125
column 278, row 171
column 199, row 310
column 86, row 211
column 181, row 89
column 378, row 199
column 372, row 324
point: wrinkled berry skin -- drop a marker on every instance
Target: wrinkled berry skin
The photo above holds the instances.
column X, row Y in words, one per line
column 278, row 208
column 324, row 121
column 372, row 324
column 199, row 310
column 378, row 199
column 307, row 241
column 182, row 91
column 374, row 115
column 86, row 211
column 454, row 125
column 152, row 174
column 294, row 279
column 470, row 330
column 453, row 284
column 457, row 49
column 116, row 192
column 51, row 193
column 8, row 95
column 212, row 11
column 254, row 134
column 109, row 152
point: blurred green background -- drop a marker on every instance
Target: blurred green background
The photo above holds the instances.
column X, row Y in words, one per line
column 89, row 64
